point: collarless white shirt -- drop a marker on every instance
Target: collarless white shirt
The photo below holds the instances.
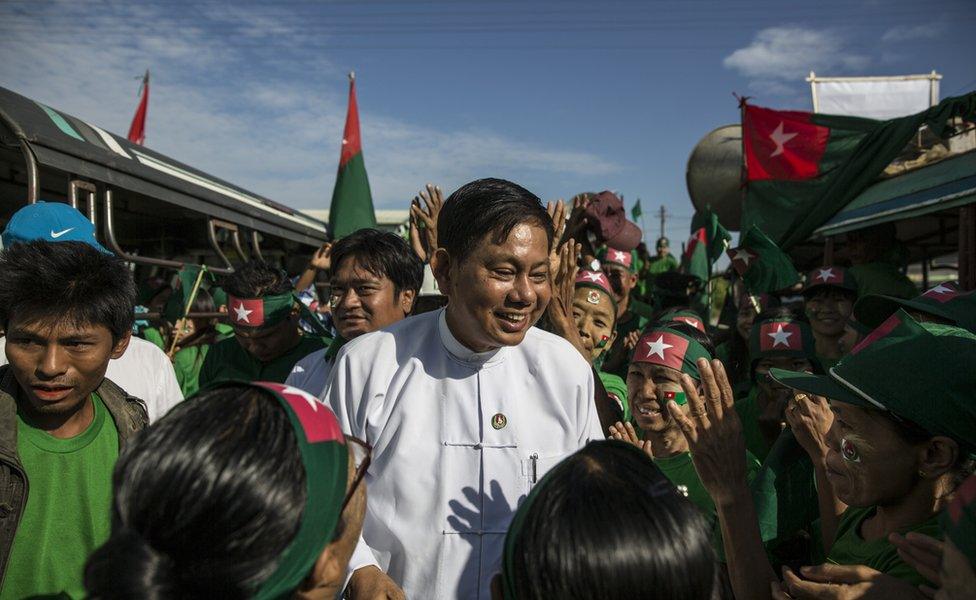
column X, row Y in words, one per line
column 459, row 439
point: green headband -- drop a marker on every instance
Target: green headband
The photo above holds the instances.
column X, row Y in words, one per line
column 260, row 312
column 325, row 459
column 670, row 348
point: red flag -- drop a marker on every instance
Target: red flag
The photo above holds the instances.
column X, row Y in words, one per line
column 351, row 142
column 137, row 131
column 782, row 144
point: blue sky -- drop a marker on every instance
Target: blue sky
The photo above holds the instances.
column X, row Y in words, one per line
column 559, row 96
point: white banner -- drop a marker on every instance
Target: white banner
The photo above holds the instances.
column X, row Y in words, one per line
column 873, row 98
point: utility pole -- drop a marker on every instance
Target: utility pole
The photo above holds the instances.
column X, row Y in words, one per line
column 664, row 216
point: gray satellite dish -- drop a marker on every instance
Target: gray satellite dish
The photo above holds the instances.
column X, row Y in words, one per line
column 714, row 174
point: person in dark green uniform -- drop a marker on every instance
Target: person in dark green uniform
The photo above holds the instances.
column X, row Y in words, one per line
column 663, row 354
column 779, row 339
column 595, row 313
column 267, row 342
column 662, row 263
column 830, row 293
column 67, row 309
column 199, row 336
column 876, row 257
column 632, row 314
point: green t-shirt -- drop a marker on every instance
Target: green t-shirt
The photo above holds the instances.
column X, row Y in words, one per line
column 748, row 409
column 187, row 363
column 227, row 360
column 68, row 511
column 658, row 265
column 617, row 388
column 851, row 549
column 224, row 330
column 681, row 471
column 152, row 334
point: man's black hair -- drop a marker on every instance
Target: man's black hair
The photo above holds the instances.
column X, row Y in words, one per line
column 257, row 278
column 66, row 280
column 607, row 523
column 383, row 254
column 487, row 206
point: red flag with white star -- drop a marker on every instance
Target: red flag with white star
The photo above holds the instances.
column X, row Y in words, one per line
column 781, row 144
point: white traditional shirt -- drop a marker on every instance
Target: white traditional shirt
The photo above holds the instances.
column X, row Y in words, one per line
column 459, row 439
column 311, row 373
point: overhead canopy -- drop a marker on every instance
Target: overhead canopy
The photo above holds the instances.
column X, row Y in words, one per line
column 947, row 184
column 64, row 142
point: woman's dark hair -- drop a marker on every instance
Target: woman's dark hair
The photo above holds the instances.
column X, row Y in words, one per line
column 487, row 206
column 384, row 254
column 206, row 501
column 203, row 303
column 608, row 524
column 257, row 278
column 66, row 280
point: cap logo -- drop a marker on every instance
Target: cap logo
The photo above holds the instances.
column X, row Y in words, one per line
column 56, row 234
column 942, row 293
column 780, row 335
column 593, row 297
column 249, row 312
column 828, row 275
column 665, row 349
column 741, row 259
column 319, row 423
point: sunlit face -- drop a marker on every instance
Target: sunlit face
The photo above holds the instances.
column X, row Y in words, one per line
column 498, row 291
column 595, row 316
column 647, row 386
column 621, row 280
column 868, row 463
column 59, row 364
column 363, row 301
column 268, row 343
column 771, row 390
column 958, row 577
column 828, row 311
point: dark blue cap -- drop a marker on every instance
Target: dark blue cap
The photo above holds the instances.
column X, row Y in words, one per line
column 50, row 222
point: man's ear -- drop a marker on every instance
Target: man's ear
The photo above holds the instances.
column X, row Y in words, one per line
column 633, row 279
column 118, row 349
column 440, row 266
column 407, row 299
column 938, row 456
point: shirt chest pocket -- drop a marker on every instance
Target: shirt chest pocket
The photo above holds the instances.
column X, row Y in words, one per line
column 535, row 467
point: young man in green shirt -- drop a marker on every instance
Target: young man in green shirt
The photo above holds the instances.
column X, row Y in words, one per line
column 267, row 341
column 67, row 308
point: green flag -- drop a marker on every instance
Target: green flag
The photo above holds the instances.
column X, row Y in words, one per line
column 717, row 237
column 636, row 212
column 801, row 168
column 352, row 204
column 762, row 265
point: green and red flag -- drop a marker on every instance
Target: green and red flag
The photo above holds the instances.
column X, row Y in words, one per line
column 801, row 168
column 137, row 130
column 760, row 263
column 694, row 260
column 352, row 203
column 717, row 237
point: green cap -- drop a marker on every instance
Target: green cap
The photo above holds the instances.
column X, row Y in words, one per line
column 945, row 301
column 959, row 520
column 682, row 315
column 661, row 345
column 919, row 372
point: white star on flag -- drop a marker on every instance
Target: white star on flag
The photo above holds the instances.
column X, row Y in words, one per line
column 742, row 254
column 940, row 289
column 657, row 347
column 344, row 141
column 780, row 337
column 242, row 313
column 593, row 276
column 825, row 274
column 780, row 138
column 312, row 402
column 619, row 256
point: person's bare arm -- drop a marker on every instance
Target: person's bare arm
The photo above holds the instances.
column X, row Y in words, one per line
column 320, row 261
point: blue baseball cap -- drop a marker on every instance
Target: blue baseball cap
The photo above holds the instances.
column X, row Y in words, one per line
column 50, row 222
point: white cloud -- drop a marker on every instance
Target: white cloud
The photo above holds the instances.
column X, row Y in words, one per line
column 266, row 119
column 790, row 53
column 922, row 31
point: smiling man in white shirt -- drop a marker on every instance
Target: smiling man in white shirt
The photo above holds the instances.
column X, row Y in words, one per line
column 465, row 407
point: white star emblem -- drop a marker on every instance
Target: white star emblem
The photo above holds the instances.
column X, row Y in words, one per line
column 743, row 255
column 940, row 289
column 242, row 313
column 657, row 347
column 780, row 138
column 780, row 337
column 344, row 141
column 619, row 256
column 825, row 274
column 312, row 402
column 593, row 276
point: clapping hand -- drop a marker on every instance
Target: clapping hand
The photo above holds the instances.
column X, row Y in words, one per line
column 425, row 217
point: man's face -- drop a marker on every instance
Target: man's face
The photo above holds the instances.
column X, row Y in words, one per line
column 363, row 301
column 745, row 318
column 646, row 386
column 499, row 290
column 828, row 311
column 663, row 251
column 268, row 343
column 868, row 463
column 621, row 280
column 594, row 315
column 59, row 364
